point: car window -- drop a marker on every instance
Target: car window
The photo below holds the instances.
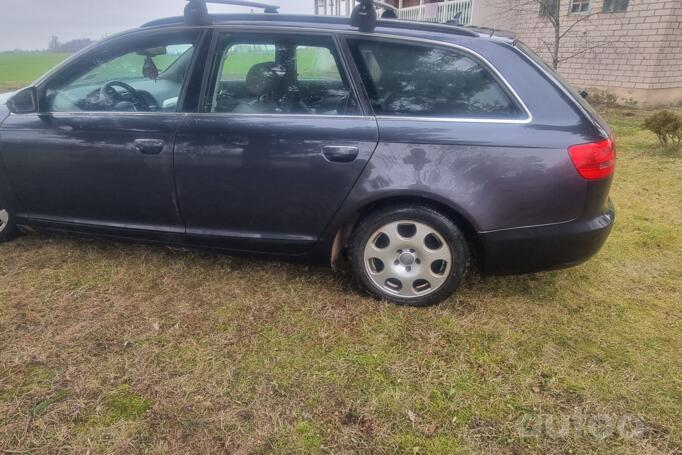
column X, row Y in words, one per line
column 280, row 74
column 145, row 75
column 422, row 81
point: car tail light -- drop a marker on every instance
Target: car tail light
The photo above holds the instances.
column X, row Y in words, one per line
column 596, row 160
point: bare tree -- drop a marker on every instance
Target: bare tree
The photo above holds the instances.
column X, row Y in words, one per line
column 54, row 44
column 562, row 25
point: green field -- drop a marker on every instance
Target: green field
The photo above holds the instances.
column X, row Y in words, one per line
column 18, row 69
column 120, row 348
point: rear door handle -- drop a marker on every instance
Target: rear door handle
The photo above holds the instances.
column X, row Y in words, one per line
column 340, row 153
column 149, row 146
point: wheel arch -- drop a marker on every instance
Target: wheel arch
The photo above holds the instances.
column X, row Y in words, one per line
column 455, row 214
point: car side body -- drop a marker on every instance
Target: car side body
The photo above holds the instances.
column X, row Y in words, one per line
column 284, row 184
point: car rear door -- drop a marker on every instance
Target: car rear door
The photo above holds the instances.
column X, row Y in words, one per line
column 279, row 141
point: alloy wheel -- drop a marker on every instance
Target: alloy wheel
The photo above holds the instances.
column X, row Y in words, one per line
column 407, row 258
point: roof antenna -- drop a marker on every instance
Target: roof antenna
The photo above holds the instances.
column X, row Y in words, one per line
column 364, row 16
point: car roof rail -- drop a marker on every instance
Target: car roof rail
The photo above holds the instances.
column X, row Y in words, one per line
column 196, row 11
column 397, row 24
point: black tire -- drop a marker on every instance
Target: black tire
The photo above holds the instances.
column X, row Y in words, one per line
column 8, row 229
column 447, row 233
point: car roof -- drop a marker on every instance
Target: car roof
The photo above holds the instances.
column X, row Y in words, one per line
column 337, row 23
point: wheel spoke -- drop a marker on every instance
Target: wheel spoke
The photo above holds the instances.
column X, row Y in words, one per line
column 383, row 275
column 385, row 254
column 424, row 231
column 437, row 280
column 391, row 231
column 431, row 256
column 408, row 288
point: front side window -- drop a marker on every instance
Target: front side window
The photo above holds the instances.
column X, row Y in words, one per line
column 615, row 6
column 140, row 75
column 422, row 81
column 280, row 74
column 580, row 6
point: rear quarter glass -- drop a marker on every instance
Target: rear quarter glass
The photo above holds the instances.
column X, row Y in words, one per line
column 571, row 92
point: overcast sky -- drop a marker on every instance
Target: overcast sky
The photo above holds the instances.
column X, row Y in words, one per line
column 29, row 24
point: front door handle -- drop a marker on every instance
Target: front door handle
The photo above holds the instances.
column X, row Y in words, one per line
column 340, row 153
column 149, row 146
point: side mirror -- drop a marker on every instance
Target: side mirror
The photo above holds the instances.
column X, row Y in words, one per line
column 25, row 101
column 584, row 94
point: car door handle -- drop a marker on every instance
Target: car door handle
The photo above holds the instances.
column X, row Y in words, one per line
column 340, row 153
column 149, row 146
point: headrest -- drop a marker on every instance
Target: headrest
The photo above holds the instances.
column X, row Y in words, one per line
column 262, row 78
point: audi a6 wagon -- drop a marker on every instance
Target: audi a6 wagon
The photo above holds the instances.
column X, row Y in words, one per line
column 408, row 152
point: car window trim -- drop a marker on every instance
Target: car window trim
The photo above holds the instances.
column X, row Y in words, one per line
column 478, row 58
column 226, row 30
column 209, row 68
column 195, row 63
column 354, row 77
column 410, row 39
column 309, row 30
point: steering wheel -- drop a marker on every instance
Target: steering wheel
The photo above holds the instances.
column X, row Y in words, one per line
column 109, row 96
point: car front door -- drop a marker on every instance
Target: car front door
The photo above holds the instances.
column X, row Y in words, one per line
column 278, row 143
column 99, row 154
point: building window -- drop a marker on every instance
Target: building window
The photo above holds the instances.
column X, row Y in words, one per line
column 580, row 6
column 615, row 6
column 549, row 8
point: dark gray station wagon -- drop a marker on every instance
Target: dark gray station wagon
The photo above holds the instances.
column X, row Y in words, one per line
column 408, row 151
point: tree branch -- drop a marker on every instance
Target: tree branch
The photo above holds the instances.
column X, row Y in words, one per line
column 578, row 21
column 587, row 49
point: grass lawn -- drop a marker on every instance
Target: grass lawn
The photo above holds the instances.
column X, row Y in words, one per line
column 118, row 348
column 18, row 69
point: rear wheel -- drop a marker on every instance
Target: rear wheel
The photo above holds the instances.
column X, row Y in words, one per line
column 7, row 228
column 409, row 255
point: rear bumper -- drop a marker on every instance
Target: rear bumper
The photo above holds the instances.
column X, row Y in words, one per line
column 539, row 248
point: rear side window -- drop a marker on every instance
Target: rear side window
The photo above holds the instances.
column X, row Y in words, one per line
column 423, row 81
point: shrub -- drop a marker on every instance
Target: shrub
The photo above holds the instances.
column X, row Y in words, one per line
column 667, row 126
column 601, row 98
